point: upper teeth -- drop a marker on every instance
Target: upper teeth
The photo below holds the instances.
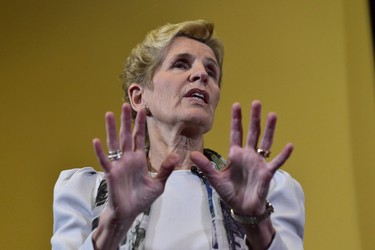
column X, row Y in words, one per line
column 198, row 95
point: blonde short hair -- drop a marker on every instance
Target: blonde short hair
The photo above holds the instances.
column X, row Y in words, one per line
column 147, row 56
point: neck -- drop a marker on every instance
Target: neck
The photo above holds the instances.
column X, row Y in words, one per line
column 162, row 144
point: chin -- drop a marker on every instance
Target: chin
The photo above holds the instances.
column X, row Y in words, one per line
column 200, row 124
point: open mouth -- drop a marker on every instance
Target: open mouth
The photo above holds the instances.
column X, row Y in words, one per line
column 198, row 94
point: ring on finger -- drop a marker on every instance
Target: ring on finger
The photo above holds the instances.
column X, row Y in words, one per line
column 264, row 153
column 114, row 155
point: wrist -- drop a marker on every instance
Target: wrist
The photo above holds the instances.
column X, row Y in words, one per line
column 261, row 236
column 258, row 228
column 254, row 219
column 110, row 231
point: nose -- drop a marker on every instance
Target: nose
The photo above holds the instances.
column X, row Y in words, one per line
column 200, row 74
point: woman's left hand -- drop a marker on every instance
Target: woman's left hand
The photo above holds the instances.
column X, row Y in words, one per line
column 245, row 182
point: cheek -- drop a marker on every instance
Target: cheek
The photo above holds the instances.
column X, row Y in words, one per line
column 166, row 95
column 217, row 97
column 163, row 84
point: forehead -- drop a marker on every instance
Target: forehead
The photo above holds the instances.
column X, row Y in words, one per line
column 184, row 45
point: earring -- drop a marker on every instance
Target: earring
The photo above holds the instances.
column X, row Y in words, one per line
column 147, row 110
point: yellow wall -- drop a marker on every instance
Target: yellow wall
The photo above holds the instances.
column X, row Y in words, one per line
column 310, row 61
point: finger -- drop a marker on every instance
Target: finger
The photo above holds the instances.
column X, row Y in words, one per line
column 236, row 126
column 112, row 139
column 205, row 166
column 269, row 132
column 254, row 127
column 125, row 130
column 281, row 158
column 167, row 167
column 101, row 156
column 139, row 131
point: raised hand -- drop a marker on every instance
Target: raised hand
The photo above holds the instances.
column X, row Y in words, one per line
column 245, row 182
column 131, row 189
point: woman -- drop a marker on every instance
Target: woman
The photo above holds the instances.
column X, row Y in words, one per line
column 176, row 194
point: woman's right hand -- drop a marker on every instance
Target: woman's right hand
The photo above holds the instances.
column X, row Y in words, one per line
column 131, row 189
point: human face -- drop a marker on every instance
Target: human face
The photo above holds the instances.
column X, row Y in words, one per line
column 185, row 87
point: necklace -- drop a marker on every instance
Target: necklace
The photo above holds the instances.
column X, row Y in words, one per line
column 195, row 170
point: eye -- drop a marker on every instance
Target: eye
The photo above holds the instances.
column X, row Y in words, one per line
column 212, row 71
column 181, row 64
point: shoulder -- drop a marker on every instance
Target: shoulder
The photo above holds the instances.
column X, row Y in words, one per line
column 288, row 199
column 282, row 181
column 78, row 176
column 74, row 207
column 286, row 191
column 78, row 184
column 86, row 173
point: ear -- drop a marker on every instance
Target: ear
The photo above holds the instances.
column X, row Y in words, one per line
column 135, row 93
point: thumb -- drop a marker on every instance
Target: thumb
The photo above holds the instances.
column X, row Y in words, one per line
column 167, row 167
column 203, row 164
